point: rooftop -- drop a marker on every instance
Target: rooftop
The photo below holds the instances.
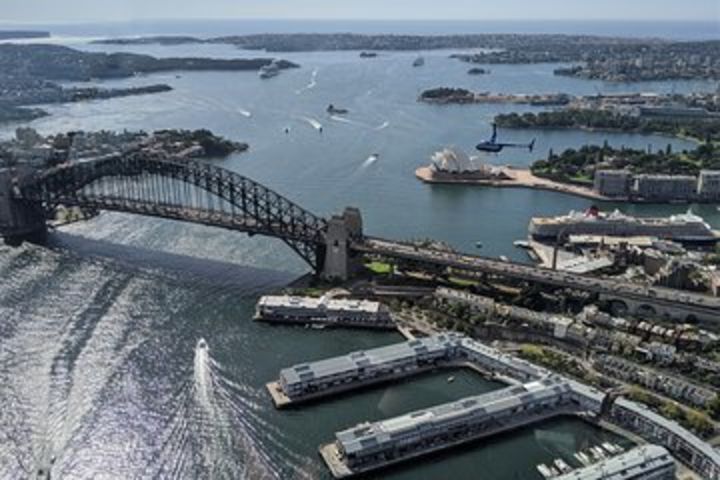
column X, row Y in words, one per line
column 370, row 434
column 377, row 356
column 633, row 464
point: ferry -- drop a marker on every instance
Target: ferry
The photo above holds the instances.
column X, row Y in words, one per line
column 269, row 71
column 683, row 228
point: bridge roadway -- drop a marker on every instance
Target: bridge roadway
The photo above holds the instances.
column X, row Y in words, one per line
column 703, row 306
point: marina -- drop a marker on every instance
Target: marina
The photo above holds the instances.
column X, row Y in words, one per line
column 650, row 462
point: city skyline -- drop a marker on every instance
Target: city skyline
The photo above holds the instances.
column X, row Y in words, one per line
column 48, row 11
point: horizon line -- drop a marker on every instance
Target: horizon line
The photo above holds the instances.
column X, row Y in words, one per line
column 340, row 19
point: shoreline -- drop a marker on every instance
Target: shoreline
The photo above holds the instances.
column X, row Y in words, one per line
column 518, row 178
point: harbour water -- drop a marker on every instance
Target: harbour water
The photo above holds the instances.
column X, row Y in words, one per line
column 100, row 363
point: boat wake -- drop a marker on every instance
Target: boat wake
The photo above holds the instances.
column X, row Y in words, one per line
column 313, row 123
column 370, row 160
column 348, row 121
column 340, row 119
column 205, row 425
column 311, row 85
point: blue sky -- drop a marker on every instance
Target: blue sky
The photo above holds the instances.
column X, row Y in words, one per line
column 92, row 10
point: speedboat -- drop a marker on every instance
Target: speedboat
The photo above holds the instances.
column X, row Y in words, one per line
column 333, row 110
column 419, row 62
column 202, row 344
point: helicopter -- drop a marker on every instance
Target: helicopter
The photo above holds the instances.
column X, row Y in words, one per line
column 494, row 147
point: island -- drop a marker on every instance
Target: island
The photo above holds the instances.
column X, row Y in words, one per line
column 28, row 75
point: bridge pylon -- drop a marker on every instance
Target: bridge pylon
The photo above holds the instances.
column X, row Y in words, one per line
column 339, row 262
column 19, row 220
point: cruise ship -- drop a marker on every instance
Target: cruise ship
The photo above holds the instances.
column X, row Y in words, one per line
column 683, row 228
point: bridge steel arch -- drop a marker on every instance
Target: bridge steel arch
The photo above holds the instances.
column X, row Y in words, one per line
column 179, row 189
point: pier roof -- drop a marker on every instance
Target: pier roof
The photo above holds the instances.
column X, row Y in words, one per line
column 368, row 435
column 320, row 303
column 434, row 345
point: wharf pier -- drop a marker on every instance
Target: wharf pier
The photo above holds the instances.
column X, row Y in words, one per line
column 534, row 394
column 371, row 446
column 309, row 381
column 323, row 311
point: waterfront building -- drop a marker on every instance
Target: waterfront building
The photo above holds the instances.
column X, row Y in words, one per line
column 371, row 445
column 536, row 394
column 664, row 188
column 654, row 428
column 646, row 462
column 364, row 367
column 612, row 183
column 452, row 163
column 324, row 310
column 708, row 187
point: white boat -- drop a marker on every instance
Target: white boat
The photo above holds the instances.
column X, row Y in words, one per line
column 610, row 448
column 269, row 71
column 562, row 466
column 598, row 453
column 451, row 379
column 545, row 471
column 583, row 458
column 419, row 62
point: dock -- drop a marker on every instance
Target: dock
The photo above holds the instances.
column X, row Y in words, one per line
column 371, row 446
column 534, row 394
column 324, row 311
column 332, row 376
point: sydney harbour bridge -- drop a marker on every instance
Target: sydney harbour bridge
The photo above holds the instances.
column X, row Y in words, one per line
column 335, row 247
